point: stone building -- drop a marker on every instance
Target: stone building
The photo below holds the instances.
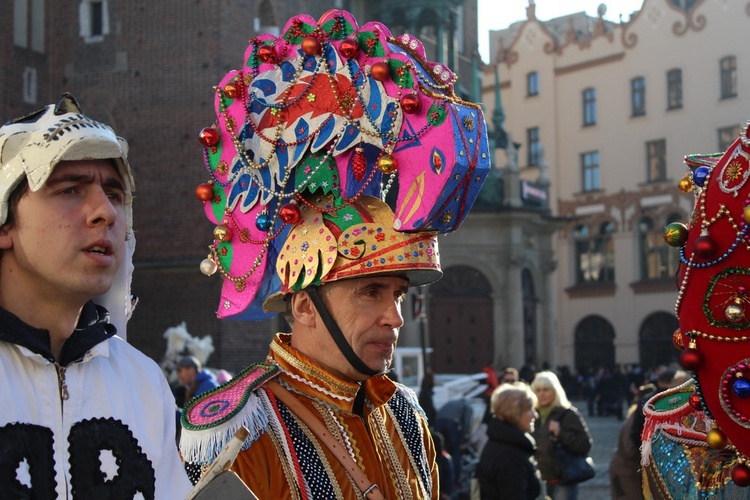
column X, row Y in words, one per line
column 612, row 108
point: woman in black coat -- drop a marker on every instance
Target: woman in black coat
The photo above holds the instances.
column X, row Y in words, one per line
column 560, row 421
column 507, row 468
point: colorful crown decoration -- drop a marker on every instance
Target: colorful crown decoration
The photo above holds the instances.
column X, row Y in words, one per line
column 713, row 302
column 330, row 109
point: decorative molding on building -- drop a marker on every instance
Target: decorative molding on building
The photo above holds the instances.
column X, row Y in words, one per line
column 590, row 63
column 654, row 286
column 591, row 290
column 696, row 23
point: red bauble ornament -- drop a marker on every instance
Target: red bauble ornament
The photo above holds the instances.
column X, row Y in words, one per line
column 311, row 46
column 410, row 103
column 205, row 192
column 349, row 48
column 691, row 359
column 359, row 164
column 380, row 71
column 695, row 402
column 704, row 247
column 209, row 137
column 289, row 213
column 267, row 54
column 741, row 475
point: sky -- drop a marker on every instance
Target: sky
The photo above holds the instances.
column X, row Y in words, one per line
column 499, row 14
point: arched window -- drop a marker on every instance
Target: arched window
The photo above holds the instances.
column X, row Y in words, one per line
column 594, row 344
column 655, row 340
column 595, row 254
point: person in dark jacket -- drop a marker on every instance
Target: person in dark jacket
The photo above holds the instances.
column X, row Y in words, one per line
column 561, row 421
column 507, row 468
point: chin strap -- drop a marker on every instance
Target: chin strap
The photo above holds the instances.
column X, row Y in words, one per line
column 338, row 336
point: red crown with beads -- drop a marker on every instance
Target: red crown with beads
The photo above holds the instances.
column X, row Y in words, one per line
column 713, row 301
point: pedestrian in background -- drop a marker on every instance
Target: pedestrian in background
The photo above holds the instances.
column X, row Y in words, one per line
column 192, row 375
column 558, row 421
column 507, row 468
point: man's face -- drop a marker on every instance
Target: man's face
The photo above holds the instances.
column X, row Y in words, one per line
column 368, row 311
column 68, row 238
column 186, row 374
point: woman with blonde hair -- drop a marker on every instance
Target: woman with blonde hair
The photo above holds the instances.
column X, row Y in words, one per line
column 558, row 421
column 507, row 468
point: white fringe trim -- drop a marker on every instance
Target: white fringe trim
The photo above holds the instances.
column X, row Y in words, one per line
column 201, row 447
column 645, row 453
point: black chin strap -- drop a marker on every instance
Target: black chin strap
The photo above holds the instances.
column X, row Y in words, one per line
column 338, row 336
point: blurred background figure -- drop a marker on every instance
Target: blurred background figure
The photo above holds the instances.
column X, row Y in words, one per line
column 455, row 421
column 507, row 468
column 445, row 466
column 195, row 379
column 509, row 375
column 558, row 421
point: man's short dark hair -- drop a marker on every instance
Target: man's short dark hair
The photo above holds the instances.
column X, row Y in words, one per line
column 189, row 362
column 13, row 199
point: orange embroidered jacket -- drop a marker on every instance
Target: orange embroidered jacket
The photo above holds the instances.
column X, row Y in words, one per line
column 388, row 436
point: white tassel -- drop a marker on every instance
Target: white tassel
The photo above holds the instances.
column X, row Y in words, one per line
column 645, row 453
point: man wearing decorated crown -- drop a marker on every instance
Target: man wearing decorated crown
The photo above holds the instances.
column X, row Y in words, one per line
column 84, row 414
column 310, row 136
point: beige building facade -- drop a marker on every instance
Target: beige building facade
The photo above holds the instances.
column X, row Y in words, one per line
column 611, row 109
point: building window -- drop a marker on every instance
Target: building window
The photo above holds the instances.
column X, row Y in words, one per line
column 532, row 84
column 638, row 96
column 656, row 160
column 594, row 253
column 674, row 89
column 728, row 77
column 659, row 261
column 589, row 107
column 727, row 135
column 28, row 24
column 590, row 171
column 534, row 153
column 94, row 19
column 29, row 85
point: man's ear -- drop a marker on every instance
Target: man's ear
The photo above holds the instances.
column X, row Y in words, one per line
column 303, row 310
column 6, row 242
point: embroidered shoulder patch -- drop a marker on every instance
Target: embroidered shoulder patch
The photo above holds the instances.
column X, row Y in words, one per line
column 210, row 420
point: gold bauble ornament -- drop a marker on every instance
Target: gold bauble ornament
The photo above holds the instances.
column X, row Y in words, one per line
column 208, row 266
column 685, row 184
column 222, row 233
column 716, row 439
column 387, row 164
column 746, row 214
column 734, row 313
